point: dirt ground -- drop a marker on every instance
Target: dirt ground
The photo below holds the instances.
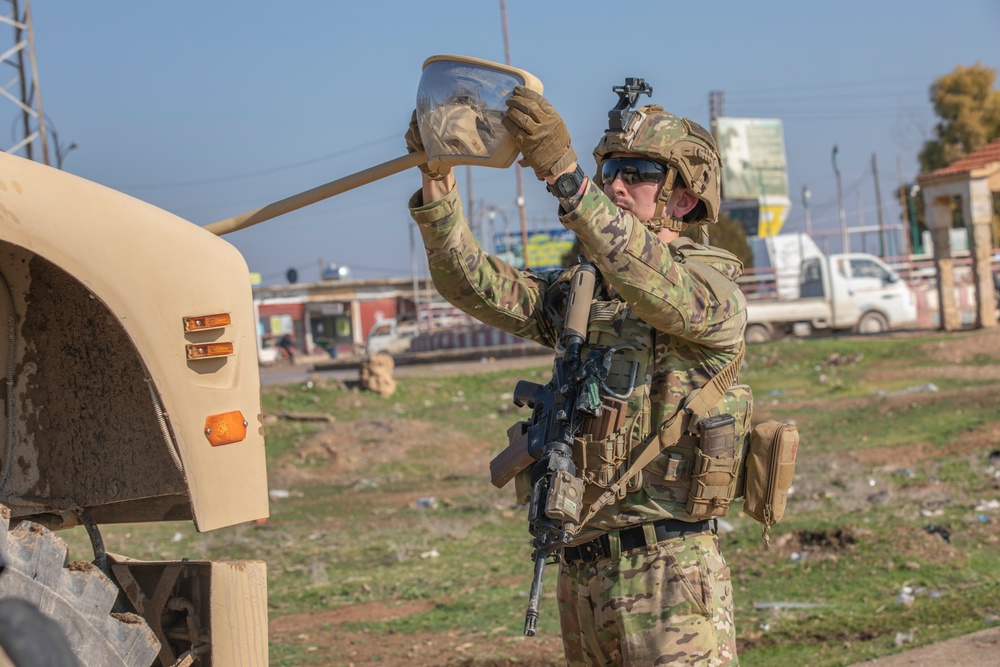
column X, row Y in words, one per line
column 322, row 632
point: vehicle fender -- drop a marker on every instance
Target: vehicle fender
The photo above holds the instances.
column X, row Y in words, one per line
column 148, row 269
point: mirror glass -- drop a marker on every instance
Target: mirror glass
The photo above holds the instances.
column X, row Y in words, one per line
column 460, row 104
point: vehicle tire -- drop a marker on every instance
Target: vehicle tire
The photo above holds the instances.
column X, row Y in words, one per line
column 872, row 323
column 757, row 333
column 29, row 638
column 78, row 597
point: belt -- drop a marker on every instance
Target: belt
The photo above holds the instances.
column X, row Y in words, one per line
column 633, row 538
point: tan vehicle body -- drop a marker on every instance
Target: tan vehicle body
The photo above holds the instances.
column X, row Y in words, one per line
column 104, row 408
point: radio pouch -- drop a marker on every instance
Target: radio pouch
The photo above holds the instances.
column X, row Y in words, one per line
column 769, row 470
column 716, row 468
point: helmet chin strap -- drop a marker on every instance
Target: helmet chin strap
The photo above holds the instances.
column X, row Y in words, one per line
column 665, row 201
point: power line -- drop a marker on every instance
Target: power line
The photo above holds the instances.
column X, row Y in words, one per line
column 262, row 172
column 828, row 85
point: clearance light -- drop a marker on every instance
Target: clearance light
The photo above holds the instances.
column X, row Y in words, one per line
column 202, row 322
column 209, row 350
column 226, row 428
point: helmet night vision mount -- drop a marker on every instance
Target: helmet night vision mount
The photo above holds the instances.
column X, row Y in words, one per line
column 628, row 97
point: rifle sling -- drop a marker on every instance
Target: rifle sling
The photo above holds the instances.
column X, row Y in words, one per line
column 698, row 404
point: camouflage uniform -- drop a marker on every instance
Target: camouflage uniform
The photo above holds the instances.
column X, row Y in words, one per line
column 671, row 602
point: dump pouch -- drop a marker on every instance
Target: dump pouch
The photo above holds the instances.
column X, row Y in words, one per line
column 769, row 471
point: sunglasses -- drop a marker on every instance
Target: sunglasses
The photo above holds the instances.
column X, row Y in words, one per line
column 632, row 170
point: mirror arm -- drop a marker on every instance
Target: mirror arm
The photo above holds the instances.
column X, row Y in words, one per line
column 316, row 194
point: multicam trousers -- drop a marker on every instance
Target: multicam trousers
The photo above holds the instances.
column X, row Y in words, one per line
column 667, row 604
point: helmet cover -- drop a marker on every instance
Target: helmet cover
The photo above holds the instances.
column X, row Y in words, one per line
column 684, row 147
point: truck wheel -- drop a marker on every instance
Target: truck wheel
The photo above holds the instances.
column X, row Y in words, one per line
column 757, row 333
column 29, row 638
column 78, row 597
column 872, row 323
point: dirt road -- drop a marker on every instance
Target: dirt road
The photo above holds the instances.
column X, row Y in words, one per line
column 979, row 648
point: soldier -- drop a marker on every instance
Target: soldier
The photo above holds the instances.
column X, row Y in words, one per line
column 644, row 581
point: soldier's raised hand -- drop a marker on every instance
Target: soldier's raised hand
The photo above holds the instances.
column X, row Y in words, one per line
column 539, row 133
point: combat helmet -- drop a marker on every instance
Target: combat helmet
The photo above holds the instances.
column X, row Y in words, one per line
column 683, row 146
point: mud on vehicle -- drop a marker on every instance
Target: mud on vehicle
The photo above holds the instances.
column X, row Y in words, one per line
column 129, row 393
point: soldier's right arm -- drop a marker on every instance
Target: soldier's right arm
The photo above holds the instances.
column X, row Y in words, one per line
column 472, row 280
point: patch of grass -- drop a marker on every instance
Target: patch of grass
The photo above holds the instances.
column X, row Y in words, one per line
column 331, row 545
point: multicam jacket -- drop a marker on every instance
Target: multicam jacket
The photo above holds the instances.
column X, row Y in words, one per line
column 679, row 304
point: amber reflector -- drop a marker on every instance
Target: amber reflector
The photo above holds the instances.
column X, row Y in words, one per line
column 208, row 350
column 226, row 428
column 207, row 322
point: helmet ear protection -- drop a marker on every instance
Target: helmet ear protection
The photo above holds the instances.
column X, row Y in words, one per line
column 685, row 148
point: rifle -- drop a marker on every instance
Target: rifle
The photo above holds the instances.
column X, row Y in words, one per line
column 574, row 394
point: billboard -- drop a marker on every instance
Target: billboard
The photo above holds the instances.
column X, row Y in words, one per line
column 753, row 157
column 546, row 248
column 754, row 167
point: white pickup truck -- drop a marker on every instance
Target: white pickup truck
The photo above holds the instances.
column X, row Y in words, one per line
column 853, row 291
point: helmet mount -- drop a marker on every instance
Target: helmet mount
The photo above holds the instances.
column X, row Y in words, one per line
column 628, row 96
column 685, row 148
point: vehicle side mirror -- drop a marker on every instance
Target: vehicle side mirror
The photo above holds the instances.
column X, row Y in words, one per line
column 460, row 103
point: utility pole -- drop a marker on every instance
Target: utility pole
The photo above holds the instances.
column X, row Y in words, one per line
column 878, row 208
column 903, row 203
column 840, row 203
column 21, row 56
column 806, row 196
column 716, row 99
column 517, row 167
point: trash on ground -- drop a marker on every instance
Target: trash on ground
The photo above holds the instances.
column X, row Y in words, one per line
column 789, row 605
column 902, row 638
column 427, row 503
column 433, row 553
column 279, row 493
column 942, row 531
column 929, row 388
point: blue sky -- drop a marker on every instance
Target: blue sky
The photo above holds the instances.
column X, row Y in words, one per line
column 210, row 109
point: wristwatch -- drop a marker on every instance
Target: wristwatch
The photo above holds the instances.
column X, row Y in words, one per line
column 567, row 185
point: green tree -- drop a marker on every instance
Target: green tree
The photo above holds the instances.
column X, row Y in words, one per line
column 727, row 234
column 969, row 111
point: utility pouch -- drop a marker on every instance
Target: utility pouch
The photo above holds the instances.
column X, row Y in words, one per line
column 770, row 467
column 716, row 468
column 599, row 462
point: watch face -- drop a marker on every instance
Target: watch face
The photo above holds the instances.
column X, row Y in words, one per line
column 568, row 185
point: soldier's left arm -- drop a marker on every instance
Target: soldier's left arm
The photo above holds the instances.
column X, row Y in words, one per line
column 693, row 300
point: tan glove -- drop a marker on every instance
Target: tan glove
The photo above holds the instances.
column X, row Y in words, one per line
column 414, row 144
column 539, row 133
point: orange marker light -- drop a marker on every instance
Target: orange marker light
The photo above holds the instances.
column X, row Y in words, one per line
column 202, row 322
column 226, row 428
column 209, row 350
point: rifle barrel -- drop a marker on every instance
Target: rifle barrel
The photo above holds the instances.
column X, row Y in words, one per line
column 534, row 598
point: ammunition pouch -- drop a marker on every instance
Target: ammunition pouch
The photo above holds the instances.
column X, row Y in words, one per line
column 704, row 469
column 713, row 485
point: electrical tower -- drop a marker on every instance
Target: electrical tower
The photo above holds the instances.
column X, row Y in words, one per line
column 19, row 84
